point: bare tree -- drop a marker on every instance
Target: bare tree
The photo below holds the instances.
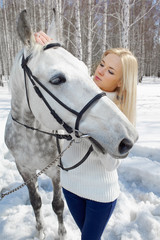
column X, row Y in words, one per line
column 59, row 19
column 89, row 36
column 104, row 45
column 125, row 24
column 78, row 30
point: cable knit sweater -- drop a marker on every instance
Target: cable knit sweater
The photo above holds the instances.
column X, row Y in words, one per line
column 95, row 179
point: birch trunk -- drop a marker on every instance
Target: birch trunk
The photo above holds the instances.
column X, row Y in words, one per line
column 125, row 24
column 7, row 41
column 104, row 46
column 1, row 63
column 39, row 22
column 143, row 40
column 59, row 21
column 158, row 55
column 34, row 17
column 89, row 37
column 69, row 32
column 78, row 31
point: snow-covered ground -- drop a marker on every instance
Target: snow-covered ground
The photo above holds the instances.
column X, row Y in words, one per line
column 137, row 214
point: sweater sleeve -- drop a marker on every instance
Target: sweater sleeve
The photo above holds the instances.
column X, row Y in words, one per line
column 110, row 163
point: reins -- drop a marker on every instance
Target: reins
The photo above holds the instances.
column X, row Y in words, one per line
column 2, row 195
column 59, row 136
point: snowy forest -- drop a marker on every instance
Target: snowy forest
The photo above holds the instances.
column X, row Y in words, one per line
column 88, row 28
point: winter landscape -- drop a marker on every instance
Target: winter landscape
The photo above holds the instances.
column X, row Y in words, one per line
column 137, row 214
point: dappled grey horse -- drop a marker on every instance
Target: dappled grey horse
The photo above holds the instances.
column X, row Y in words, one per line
column 52, row 90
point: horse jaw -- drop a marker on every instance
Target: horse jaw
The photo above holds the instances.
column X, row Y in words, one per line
column 116, row 129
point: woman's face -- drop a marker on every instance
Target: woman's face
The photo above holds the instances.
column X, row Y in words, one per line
column 108, row 75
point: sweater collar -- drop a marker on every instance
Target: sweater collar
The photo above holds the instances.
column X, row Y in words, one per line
column 111, row 95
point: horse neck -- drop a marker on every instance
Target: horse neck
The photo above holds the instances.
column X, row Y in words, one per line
column 19, row 105
column 20, row 109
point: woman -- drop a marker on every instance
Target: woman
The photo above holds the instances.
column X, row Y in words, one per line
column 91, row 190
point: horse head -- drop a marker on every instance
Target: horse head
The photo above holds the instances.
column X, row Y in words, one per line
column 54, row 73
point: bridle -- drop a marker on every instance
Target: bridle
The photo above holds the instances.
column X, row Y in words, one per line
column 36, row 83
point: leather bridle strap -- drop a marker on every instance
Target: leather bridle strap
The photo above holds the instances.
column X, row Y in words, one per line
column 85, row 108
column 79, row 163
column 58, row 136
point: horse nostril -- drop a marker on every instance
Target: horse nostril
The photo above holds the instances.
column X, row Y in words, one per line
column 125, row 145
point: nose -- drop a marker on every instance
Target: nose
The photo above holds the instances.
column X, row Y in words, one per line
column 101, row 71
column 125, row 145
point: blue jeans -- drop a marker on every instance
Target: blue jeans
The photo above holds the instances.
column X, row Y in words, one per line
column 90, row 216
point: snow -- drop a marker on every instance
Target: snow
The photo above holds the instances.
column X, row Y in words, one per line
column 137, row 214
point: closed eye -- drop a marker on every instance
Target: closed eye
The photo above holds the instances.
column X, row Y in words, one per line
column 57, row 79
column 112, row 73
column 101, row 64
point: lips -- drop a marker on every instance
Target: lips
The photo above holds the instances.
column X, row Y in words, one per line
column 97, row 78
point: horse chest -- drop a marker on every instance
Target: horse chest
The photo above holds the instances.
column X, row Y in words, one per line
column 30, row 147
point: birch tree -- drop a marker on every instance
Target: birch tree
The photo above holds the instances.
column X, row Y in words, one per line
column 142, row 43
column 89, row 37
column 158, row 50
column 78, row 31
column 59, row 19
column 104, row 45
column 69, row 27
column 7, row 40
column 125, row 24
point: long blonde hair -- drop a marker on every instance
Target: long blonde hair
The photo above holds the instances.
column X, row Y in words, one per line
column 126, row 94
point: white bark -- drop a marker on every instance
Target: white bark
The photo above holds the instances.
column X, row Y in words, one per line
column 40, row 21
column 89, row 37
column 125, row 24
column 78, row 31
column 69, row 22
column 59, row 20
column 104, row 46
column 142, row 39
column 7, row 41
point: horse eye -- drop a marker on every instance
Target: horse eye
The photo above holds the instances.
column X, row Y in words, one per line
column 57, row 79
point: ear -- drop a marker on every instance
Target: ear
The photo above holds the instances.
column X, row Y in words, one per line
column 52, row 30
column 24, row 29
column 119, row 83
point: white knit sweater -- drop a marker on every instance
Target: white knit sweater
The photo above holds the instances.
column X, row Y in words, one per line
column 95, row 179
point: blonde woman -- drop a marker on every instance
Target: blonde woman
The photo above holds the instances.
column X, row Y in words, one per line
column 126, row 88
column 91, row 190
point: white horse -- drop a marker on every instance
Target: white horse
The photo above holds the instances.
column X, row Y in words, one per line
column 49, row 88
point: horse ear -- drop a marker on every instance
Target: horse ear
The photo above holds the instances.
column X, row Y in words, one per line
column 24, row 29
column 52, row 30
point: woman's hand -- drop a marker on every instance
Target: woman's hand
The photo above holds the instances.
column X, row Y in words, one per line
column 42, row 38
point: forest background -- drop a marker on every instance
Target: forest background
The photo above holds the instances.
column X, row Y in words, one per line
column 87, row 28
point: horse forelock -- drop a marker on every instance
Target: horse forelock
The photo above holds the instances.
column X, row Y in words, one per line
column 38, row 49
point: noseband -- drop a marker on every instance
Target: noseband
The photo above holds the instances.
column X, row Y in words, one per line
column 36, row 83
